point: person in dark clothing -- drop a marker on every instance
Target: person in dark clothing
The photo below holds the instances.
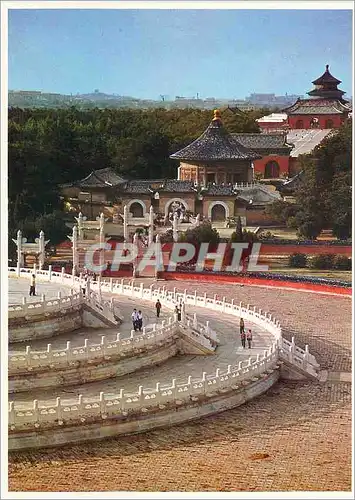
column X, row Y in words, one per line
column 135, row 320
column 84, row 285
column 242, row 338
column 140, row 320
column 178, row 312
column 158, row 307
column 241, row 326
column 249, row 338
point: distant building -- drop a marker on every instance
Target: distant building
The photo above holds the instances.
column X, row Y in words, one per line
column 326, row 108
column 275, row 121
column 215, row 156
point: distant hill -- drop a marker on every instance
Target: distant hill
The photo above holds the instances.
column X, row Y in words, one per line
column 37, row 99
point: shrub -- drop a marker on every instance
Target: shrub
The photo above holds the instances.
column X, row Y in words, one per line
column 249, row 236
column 322, row 261
column 266, row 235
column 342, row 262
column 297, row 260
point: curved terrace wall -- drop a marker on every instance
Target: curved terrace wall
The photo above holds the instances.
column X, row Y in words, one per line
column 110, row 358
column 41, row 425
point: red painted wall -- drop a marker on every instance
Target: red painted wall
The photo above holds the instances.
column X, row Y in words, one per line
column 215, row 278
column 272, row 125
column 283, row 161
column 337, row 120
column 268, row 249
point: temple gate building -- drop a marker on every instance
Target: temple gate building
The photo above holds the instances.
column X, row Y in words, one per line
column 216, row 157
column 325, row 109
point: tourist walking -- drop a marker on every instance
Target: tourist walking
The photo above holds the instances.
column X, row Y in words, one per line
column 33, row 285
column 84, row 285
column 158, row 307
column 242, row 338
column 135, row 319
column 249, row 338
column 178, row 312
column 241, row 326
column 140, row 320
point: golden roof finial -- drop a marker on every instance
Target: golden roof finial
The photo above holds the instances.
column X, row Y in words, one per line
column 217, row 114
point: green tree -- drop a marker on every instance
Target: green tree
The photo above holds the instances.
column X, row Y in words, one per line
column 324, row 197
column 204, row 233
column 239, row 230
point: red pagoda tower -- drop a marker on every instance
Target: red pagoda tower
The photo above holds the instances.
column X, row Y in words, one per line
column 326, row 108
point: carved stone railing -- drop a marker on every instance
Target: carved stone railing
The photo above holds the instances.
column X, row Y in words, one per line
column 298, row 357
column 77, row 411
column 45, row 306
column 170, row 299
column 22, row 362
column 75, row 298
column 245, row 372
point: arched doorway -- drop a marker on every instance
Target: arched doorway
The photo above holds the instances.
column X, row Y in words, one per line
column 136, row 209
column 218, row 213
column 272, row 170
column 299, row 124
column 329, row 124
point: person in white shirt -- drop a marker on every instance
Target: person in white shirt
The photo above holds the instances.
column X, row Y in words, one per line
column 33, row 285
column 135, row 320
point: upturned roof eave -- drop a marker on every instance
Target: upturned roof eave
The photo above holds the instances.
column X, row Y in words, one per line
column 208, row 159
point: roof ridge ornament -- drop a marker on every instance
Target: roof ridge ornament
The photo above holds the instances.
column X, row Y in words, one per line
column 327, row 67
column 217, row 115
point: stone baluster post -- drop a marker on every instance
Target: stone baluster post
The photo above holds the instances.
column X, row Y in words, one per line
column 151, row 226
column 125, row 223
column 41, row 250
column 20, row 257
column 74, row 240
column 198, row 220
column 102, row 240
column 175, row 227
column 135, row 261
column 80, row 226
column 158, row 263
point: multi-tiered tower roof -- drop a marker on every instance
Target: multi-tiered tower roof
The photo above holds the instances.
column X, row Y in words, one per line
column 325, row 99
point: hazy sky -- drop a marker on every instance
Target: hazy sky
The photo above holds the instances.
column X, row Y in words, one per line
column 145, row 53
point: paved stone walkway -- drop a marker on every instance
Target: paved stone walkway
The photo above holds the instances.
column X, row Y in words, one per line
column 20, row 287
column 296, row 437
column 229, row 351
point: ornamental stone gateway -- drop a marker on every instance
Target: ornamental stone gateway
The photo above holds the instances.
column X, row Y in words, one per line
column 25, row 248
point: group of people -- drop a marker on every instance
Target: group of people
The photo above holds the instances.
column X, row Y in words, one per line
column 245, row 336
column 137, row 317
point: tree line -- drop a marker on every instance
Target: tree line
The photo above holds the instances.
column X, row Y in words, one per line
column 324, row 197
column 48, row 147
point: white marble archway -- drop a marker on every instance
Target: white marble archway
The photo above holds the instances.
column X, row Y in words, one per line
column 140, row 202
column 169, row 202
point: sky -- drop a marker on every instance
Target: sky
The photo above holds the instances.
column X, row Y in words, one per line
column 148, row 53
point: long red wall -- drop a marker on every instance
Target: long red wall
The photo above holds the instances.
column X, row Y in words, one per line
column 269, row 249
column 220, row 278
column 282, row 160
column 306, row 119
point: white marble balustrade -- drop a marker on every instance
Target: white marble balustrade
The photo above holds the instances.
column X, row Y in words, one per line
column 144, row 399
column 165, row 393
column 61, row 358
